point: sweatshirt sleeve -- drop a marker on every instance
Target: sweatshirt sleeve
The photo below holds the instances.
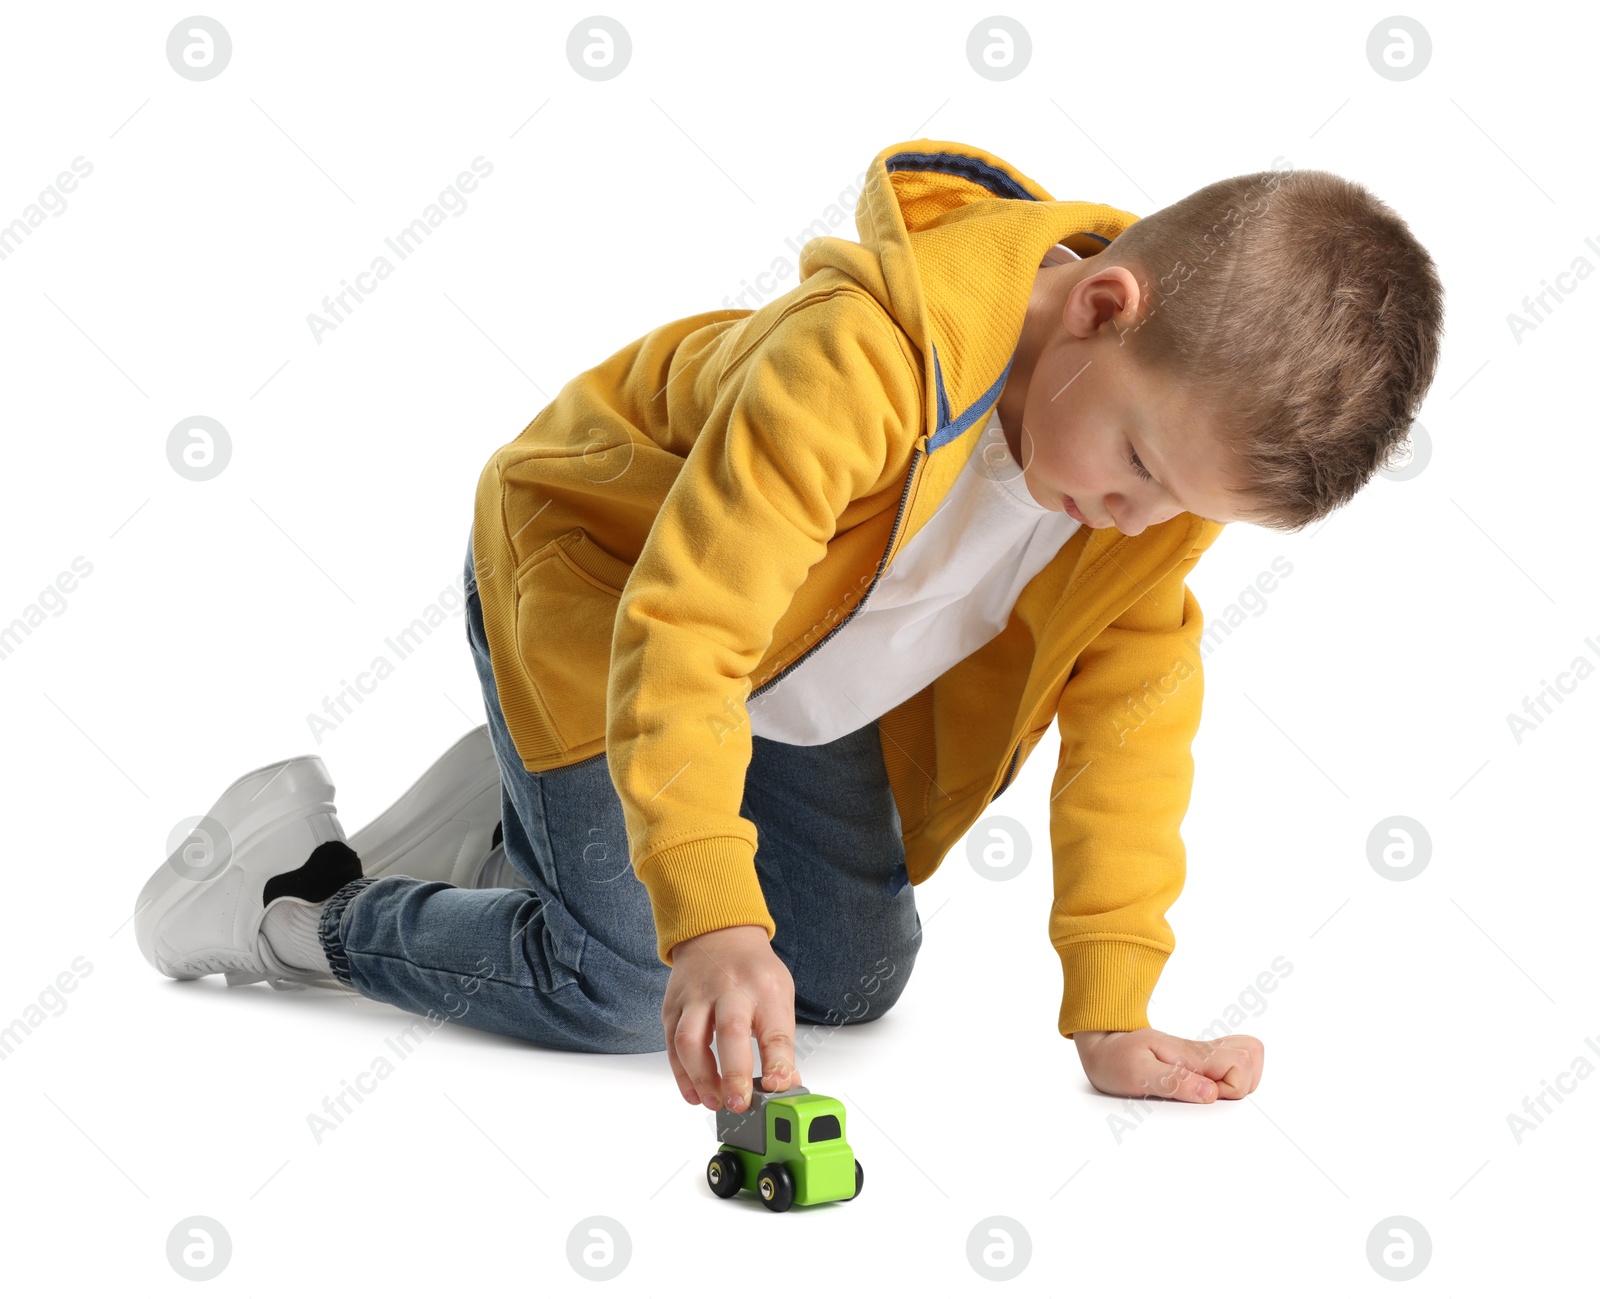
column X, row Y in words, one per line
column 802, row 426
column 1128, row 716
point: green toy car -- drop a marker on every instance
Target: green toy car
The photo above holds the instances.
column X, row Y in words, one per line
column 788, row 1148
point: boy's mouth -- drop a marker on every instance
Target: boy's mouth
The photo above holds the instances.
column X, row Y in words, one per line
column 1074, row 512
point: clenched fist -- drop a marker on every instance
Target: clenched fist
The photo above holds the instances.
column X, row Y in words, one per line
column 1144, row 1062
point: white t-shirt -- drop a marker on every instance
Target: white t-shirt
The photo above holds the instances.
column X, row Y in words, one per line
column 950, row 591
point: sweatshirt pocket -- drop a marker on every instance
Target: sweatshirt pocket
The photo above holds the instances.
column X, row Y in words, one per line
column 567, row 596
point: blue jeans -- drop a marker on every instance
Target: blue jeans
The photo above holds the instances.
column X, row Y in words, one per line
column 570, row 961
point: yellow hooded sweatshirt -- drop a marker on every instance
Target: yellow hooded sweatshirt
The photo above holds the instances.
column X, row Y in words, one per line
column 691, row 517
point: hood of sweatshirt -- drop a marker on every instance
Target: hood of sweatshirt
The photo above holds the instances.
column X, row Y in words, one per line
column 951, row 238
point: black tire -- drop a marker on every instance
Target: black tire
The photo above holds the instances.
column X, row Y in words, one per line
column 860, row 1178
column 725, row 1174
column 775, row 1187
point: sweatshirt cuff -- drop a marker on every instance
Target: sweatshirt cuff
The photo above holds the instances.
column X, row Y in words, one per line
column 703, row 885
column 1107, row 985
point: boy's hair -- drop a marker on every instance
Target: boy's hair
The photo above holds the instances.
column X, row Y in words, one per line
column 1300, row 311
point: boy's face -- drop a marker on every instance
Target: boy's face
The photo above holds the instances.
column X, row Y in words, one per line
column 1077, row 408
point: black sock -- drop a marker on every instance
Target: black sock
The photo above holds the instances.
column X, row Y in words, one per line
column 330, row 867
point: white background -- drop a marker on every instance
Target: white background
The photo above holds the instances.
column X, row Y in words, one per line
column 1376, row 681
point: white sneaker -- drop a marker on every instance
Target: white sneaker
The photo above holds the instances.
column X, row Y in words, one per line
column 446, row 825
column 497, row 871
column 271, row 836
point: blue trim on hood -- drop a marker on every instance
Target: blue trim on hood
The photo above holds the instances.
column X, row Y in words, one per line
column 949, row 432
column 954, row 164
column 997, row 182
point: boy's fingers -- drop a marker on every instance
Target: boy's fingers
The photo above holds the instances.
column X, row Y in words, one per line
column 1201, row 1071
column 1231, row 1076
column 692, row 1039
column 1178, row 1082
column 686, row 1086
column 733, row 1050
column 1231, row 1062
column 774, row 1029
column 1252, row 1053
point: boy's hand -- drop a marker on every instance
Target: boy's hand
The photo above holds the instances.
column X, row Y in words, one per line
column 732, row 981
column 1144, row 1062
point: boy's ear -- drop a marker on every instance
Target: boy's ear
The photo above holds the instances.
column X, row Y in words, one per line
column 1110, row 295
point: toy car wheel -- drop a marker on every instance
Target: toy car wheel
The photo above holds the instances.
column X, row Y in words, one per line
column 724, row 1174
column 775, row 1187
column 860, row 1177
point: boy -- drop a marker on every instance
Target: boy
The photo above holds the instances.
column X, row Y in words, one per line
column 769, row 605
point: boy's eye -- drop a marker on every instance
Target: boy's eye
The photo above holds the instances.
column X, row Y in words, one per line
column 1133, row 459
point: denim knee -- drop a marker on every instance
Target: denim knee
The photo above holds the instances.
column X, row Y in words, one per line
column 637, row 1028
column 614, row 1007
column 861, row 992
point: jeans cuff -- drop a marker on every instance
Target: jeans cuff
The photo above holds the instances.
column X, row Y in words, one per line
column 328, row 927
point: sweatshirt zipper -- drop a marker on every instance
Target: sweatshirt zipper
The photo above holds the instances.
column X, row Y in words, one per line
column 911, row 477
column 916, row 459
column 894, row 532
column 1010, row 771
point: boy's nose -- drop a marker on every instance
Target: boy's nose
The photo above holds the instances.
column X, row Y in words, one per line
column 1129, row 520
